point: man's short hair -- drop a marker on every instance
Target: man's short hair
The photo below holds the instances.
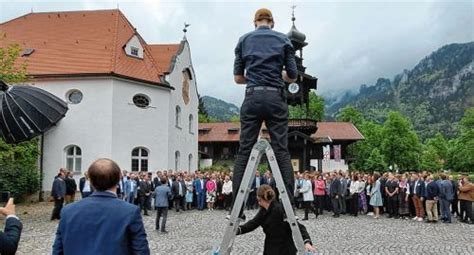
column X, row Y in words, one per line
column 104, row 174
column 163, row 180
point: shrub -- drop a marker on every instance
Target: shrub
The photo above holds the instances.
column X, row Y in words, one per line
column 19, row 180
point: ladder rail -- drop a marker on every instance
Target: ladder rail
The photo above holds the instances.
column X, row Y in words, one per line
column 260, row 147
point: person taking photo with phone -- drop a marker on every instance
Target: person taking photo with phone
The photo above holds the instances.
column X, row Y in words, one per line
column 10, row 237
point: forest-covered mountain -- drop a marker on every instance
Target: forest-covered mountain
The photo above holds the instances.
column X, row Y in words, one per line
column 433, row 95
column 218, row 109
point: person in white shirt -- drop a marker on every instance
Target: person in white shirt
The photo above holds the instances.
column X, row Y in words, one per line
column 307, row 191
column 355, row 189
column 227, row 191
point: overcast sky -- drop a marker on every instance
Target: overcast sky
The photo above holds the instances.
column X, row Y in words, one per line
column 350, row 42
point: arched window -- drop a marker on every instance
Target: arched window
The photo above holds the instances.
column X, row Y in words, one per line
column 188, row 73
column 178, row 116
column 190, row 162
column 140, row 159
column 177, row 157
column 73, row 158
column 191, row 123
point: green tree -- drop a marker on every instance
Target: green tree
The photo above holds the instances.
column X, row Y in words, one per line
column 400, row 145
column 18, row 172
column 461, row 152
column 315, row 109
column 361, row 150
column 375, row 162
column 430, row 160
column 235, row 118
column 350, row 114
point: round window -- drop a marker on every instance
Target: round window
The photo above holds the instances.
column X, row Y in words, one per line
column 74, row 96
column 141, row 101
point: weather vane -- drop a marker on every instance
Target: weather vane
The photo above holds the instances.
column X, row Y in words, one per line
column 293, row 7
column 185, row 27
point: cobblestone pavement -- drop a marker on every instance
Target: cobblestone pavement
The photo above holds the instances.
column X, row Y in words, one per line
column 195, row 232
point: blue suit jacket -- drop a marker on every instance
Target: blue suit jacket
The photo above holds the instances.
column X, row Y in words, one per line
column 197, row 186
column 101, row 224
column 162, row 196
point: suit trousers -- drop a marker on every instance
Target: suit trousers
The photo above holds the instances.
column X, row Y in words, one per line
column 58, row 206
column 201, row 200
column 445, row 209
column 308, row 205
column 271, row 107
column 432, row 210
column 420, row 212
column 144, row 203
column 335, row 205
column 178, row 202
column 342, row 204
column 161, row 212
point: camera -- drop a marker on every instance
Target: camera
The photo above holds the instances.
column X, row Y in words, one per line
column 4, row 197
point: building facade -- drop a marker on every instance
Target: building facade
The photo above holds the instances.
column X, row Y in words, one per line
column 133, row 102
column 320, row 146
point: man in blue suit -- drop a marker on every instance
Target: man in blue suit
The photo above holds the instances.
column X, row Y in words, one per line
column 101, row 223
column 200, row 188
column 446, row 195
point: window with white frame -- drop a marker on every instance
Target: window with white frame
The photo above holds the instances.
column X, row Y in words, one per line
column 73, row 158
column 134, row 51
column 140, row 159
column 190, row 162
column 191, row 123
column 177, row 157
column 178, row 116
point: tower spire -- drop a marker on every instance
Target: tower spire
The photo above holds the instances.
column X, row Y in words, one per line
column 185, row 29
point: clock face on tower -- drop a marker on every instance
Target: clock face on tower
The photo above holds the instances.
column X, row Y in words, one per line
column 293, row 88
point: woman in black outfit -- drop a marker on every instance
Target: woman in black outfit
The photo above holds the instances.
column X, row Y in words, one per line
column 271, row 217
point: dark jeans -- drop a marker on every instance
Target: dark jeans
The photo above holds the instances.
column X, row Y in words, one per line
column 466, row 210
column 161, row 212
column 58, row 206
column 445, row 210
column 271, row 107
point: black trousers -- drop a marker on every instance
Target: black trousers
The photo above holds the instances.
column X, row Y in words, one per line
column 228, row 200
column 178, row 202
column 144, row 203
column 319, row 203
column 58, row 206
column 335, row 206
column 308, row 205
column 271, row 107
column 161, row 212
column 392, row 205
column 354, row 204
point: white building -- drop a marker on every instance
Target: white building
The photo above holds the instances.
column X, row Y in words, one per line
column 130, row 101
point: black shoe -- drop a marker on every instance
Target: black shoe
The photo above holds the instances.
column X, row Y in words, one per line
column 304, row 219
column 435, row 221
column 335, row 216
column 146, row 214
column 164, row 232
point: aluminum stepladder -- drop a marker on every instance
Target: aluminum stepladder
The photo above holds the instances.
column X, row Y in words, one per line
column 260, row 147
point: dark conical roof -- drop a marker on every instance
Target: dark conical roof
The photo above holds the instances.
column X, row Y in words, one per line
column 296, row 35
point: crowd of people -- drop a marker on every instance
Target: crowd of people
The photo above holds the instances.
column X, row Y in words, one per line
column 418, row 196
column 405, row 196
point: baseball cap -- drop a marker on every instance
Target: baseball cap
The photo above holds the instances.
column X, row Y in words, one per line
column 263, row 13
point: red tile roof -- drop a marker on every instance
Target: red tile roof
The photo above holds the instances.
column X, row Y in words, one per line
column 219, row 131
column 163, row 54
column 337, row 131
column 84, row 42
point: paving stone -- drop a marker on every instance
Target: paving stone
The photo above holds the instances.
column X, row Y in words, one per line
column 198, row 232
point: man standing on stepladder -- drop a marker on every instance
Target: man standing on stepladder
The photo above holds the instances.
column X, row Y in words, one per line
column 264, row 59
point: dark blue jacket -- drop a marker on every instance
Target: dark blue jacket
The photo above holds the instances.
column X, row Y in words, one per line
column 59, row 188
column 261, row 55
column 254, row 183
column 432, row 190
column 162, row 196
column 446, row 191
column 420, row 188
column 101, row 224
column 197, row 186
column 10, row 238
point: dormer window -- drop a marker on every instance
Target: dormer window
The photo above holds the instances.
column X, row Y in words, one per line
column 134, row 51
column 134, row 48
